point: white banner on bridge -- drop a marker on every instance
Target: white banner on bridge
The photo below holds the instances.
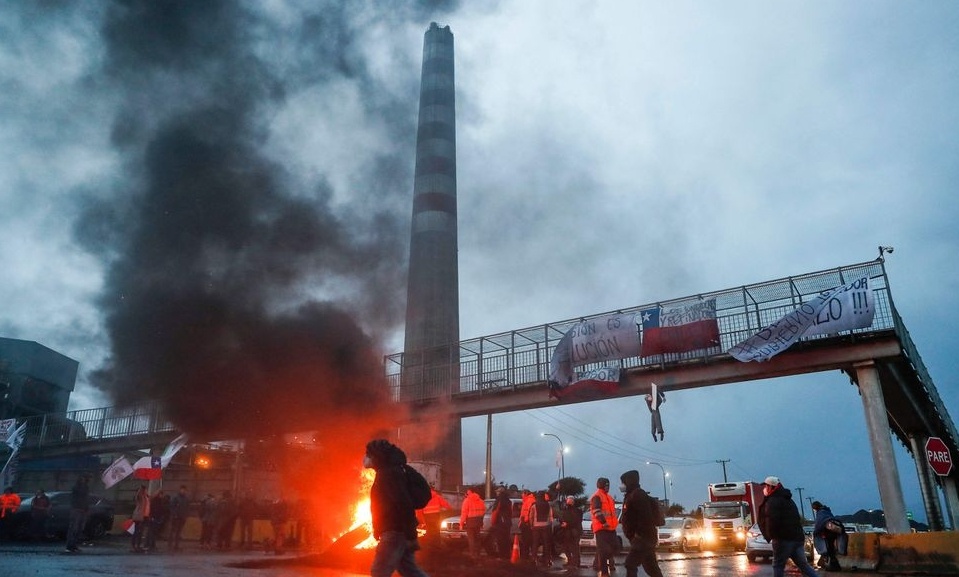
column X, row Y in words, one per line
column 841, row 309
column 604, row 339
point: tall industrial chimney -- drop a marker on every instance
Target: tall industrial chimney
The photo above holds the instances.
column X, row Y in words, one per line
column 431, row 351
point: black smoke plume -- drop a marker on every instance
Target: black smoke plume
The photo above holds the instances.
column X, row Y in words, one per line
column 242, row 301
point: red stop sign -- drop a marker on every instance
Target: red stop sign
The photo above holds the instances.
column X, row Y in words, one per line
column 937, row 454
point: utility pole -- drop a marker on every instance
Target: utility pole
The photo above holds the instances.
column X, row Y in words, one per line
column 723, row 461
column 801, row 508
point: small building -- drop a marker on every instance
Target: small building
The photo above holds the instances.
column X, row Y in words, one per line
column 34, row 379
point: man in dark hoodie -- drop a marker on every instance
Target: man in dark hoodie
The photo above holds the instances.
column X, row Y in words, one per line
column 394, row 518
column 780, row 524
column 639, row 521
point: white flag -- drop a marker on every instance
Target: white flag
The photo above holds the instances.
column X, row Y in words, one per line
column 8, row 476
column 118, row 471
column 172, row 449
column 15, row 439
column 6, row 427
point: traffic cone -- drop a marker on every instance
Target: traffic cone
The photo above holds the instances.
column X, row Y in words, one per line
column 514, row 557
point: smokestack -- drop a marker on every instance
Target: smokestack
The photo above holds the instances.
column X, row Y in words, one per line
column 431, row 351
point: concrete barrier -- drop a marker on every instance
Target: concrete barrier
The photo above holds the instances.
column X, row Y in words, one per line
column 262, row 529
column 933, row 553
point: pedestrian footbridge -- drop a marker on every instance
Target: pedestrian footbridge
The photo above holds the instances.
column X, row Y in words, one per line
column 509, row 372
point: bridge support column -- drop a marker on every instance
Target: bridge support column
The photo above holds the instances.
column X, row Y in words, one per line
column 951, row 491
column 927, row 486
column 880, row 439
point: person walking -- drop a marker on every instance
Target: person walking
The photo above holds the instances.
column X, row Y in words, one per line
column 39, row 513
column 179, row 511
column 602, row 508
column 141, row 517
column 433, row 514
column 392, row 512
column 780, row 524
column 571, row 527
column 829, row 529
column 640, row 519
column 9, row 503
column 79, row 507
column 471, row 517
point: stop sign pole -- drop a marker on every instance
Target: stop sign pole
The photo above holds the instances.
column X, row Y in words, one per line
column 938, row 456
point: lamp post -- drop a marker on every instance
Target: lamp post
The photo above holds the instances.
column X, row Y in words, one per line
column 665, row 496
column 562, row 459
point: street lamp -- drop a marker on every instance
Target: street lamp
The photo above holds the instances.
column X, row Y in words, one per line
column 562, row 450
column 665, row 496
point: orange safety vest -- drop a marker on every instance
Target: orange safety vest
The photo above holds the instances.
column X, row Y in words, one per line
column 528, row 501
column 9, row 503
column 608, row 510
column 473, row 506
column 436, row 504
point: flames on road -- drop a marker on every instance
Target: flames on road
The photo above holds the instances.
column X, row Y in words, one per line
column 362, row 517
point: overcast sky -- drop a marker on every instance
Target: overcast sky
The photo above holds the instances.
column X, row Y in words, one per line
column 610, row 154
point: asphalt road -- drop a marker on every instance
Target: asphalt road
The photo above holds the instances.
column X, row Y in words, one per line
column 111, row 557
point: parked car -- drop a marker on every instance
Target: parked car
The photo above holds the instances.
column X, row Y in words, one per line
column 757, row 546
column 453, row 533
column 681, row 533
column 99, row 519
column 588, row 540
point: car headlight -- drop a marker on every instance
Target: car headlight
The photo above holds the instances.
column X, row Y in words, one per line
column 677, row 534
column 444, row 525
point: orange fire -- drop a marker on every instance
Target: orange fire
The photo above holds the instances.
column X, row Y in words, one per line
column 361, row 509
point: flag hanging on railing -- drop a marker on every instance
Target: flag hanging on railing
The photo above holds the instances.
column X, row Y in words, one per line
column 840, row 309
column 679, row 329
column 8, row 475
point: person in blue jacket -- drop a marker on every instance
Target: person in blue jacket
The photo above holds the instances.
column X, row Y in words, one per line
column 831, row 538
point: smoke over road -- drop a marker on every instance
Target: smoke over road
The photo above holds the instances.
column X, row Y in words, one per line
column 244, row 296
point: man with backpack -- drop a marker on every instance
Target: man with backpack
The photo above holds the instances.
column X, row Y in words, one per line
column 641, row 516
column 393, row 511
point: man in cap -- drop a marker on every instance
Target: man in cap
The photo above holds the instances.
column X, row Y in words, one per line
column 641, row 517
column 603, row 511
column 781, row 525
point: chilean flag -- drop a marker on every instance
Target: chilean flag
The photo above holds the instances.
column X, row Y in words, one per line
column 148, row 468
column 679, row 329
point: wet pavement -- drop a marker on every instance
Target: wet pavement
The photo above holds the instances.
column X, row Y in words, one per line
column 111, row 557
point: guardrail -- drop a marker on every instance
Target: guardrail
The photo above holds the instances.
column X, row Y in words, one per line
column 520, row 358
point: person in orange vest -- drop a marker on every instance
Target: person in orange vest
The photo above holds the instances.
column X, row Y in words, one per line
column 603, row 511
column 432, row 515
column 471, row 517
column 9, row 503
column 525, row 532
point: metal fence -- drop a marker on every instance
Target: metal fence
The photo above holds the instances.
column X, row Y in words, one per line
column 520, row 358
column 95, row 424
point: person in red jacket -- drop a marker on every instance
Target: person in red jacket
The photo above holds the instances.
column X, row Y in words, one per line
column 432, row 514
column 9, row 503
column 471, row 517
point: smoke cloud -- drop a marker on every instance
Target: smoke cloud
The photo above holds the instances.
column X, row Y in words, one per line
column 245, row 298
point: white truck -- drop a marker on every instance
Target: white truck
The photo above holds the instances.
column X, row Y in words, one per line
column 730, row 512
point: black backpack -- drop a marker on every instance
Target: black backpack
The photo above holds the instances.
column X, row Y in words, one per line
column 417, row 486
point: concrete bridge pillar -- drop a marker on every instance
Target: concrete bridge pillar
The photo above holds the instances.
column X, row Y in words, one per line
column 951, row 492
column 880, row 439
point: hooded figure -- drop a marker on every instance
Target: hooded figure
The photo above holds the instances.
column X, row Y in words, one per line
column 394, row 518
column 640, row 521
column 390, row 503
